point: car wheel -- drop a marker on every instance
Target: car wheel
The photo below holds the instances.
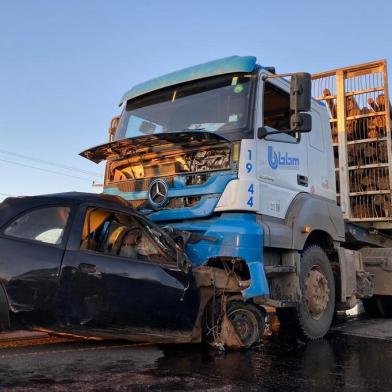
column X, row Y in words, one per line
column 378, row 306
column 313, row 316
column 385, row 305
column 371, row 307
column 248, row 321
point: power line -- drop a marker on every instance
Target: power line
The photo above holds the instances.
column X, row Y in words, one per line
column 50, row 163
column 45, row 170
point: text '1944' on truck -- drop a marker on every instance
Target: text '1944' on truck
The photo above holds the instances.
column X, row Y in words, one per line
column 292, row 194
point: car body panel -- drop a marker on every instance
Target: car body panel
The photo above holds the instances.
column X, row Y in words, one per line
column 113, row 291
column 66, row 288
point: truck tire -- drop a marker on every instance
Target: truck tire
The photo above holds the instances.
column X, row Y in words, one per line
column 313, row 316
column 4, row 310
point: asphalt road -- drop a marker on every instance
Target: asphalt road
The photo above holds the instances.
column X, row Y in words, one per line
column 346, row 360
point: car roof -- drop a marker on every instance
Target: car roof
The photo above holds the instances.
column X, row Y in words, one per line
column 82, row 197
column 76, row 197
column 12, row 206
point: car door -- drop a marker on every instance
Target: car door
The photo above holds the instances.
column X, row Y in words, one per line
column 32, row 247
column 103, row 288
column 282, row 165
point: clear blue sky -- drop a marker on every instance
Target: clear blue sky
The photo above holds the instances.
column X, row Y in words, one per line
column 65, row 64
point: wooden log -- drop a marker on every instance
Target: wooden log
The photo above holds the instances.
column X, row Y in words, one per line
column 376, row 125
column 352, row 107
column 368, row 183
column 379, row 200
column 355, row 155
column 383, row 204
column 383, row 183
column 380, row 100
column 373, row 133
column 373, row 105
column 351, row 155
column 369, row 152
column 335, row 135
column 388, row 205
column 352, row 126
column 330, row 102
column 382, row 155
column 360, row 211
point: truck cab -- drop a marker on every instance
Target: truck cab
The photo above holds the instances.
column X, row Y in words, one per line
column 241, row 160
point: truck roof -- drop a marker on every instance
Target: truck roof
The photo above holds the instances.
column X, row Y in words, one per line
column 222, row 66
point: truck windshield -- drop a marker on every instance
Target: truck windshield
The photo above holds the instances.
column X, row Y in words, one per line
column 219, row 104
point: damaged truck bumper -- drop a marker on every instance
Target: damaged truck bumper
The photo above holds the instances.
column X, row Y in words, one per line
column 232, row 235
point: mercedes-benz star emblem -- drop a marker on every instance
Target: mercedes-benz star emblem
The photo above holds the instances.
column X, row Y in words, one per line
column 158, row 193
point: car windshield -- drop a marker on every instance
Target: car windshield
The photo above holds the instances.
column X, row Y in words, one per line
column 219, row 104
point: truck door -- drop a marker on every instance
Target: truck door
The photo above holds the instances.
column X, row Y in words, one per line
column 282, row 161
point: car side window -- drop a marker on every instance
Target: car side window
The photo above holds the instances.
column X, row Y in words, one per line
column 120, row 234
column 277, row 113
column 42, row 224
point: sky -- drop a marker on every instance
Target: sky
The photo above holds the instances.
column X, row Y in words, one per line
column 64, row 65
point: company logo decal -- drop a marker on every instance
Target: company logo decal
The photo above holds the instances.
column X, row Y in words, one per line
column 282, row 160
column 158, row 193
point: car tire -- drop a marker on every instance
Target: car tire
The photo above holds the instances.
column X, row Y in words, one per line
column 248, row 321
column 4, row 310
column 312, row 317
column 371, row 307
column 385, row 305
column 378, row 306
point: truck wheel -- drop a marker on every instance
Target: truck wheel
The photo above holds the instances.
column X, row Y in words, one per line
column 248, row 321
column 4, row 310
column 313, row 316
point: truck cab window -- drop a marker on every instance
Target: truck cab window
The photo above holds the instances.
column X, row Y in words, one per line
column 276, row 111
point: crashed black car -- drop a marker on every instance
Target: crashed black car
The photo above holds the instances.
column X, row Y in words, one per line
column 89, row 265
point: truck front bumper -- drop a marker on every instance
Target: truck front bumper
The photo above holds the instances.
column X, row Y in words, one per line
column 229, row 235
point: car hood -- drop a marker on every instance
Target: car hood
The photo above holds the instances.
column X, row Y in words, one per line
column 123, row 147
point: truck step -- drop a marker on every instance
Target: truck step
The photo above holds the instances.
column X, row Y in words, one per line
column 279, row 269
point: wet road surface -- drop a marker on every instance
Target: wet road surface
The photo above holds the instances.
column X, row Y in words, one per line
column 344, row 361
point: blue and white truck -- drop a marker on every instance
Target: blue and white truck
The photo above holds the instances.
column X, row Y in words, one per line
column 244, row 162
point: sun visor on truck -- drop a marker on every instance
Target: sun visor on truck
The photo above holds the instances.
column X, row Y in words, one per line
column 151, row 143
column 223, row 66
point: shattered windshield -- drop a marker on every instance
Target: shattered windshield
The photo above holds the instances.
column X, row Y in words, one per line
column 219, row 104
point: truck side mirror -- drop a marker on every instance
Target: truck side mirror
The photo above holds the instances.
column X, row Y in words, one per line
column 300, row 101
column 300, row 92
column 301, row 122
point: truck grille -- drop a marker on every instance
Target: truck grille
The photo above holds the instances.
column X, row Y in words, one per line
column 138, row 185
